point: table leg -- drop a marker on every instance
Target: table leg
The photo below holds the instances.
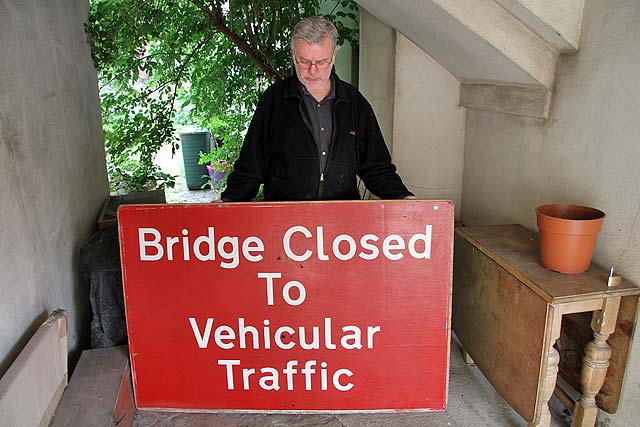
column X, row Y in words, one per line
column 551, row 375
column 596, row 362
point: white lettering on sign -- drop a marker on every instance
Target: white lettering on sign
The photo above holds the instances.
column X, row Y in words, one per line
column 286, row 291
column 270, row 380
column 269, row 277
column 202, row 338
column 351, row 247
column 284, row 337
column 144, row 244
column 367, row 246
column 299, row 244
column 344, row 247
column 287, row 246
column 205, row 248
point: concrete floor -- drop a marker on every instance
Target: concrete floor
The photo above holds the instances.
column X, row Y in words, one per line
column 173, row 164
column 472, row 403
column 181, row 194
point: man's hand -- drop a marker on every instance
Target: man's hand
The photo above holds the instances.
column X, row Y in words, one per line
column 410, row 198
column 217, row 201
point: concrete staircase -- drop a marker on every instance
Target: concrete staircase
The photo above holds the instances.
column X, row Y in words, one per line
column 503, row 52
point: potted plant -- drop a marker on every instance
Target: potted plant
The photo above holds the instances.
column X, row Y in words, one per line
column 227, row 135
column 218, row 172
column 219, row 161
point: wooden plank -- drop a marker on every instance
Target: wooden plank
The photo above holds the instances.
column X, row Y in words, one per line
column 32, row 387
column 576, row 333
column 516, row 249
column 125, row 410
column 92, row 396
column 501, row 324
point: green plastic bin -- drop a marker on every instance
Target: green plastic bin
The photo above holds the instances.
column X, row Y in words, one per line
column 192, row 144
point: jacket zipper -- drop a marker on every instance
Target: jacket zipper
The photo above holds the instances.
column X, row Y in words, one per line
column 334, row 135
column 306, row 122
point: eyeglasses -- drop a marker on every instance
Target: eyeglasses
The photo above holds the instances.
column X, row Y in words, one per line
column 322, row 64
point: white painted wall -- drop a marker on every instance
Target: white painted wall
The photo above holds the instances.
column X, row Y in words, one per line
column 478, row 41
column 556, row 22
column 377, row 70
column 587, row 152
column 428, row 125
column 52, row 167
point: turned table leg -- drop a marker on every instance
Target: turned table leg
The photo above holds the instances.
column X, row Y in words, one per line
column 551, row 375
column 596, row 362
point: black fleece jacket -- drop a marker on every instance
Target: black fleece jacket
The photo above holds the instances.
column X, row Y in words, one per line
column 279, row 150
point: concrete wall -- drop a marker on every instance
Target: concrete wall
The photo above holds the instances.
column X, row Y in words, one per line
column 428, row 125
column 416, row 102
column 587, row 152
column 478, row 41
column 377, row 70
column 52, row 167
column 556, row 22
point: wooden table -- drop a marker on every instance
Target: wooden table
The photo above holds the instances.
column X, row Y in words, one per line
column 508, row 312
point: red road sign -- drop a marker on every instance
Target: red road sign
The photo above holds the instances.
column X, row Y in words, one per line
column 326, row 306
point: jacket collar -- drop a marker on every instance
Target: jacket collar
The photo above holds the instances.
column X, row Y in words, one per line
column 292, row 84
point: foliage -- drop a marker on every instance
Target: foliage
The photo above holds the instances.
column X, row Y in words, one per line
column 128, row 176
column 226, row 139
column 166, row 63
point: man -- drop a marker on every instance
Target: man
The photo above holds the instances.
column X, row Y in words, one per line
column 312, row 135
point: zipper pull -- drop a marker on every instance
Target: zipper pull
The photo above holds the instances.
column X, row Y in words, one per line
column 322, row 177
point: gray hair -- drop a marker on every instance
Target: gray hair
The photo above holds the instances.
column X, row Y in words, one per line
column 312, row 30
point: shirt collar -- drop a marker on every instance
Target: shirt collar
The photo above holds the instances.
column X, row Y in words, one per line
column 330, row 95
column 292, row 88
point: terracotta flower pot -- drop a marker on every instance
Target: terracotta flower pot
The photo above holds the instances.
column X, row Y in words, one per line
column 567, row 236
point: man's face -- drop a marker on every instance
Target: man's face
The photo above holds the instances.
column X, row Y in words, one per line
column 313, row 62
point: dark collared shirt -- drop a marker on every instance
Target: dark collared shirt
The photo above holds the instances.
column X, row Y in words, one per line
column 320, row 115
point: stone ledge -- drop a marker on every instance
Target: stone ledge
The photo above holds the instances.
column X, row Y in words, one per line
column 520, row 101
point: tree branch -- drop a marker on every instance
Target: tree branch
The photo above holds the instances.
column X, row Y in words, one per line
column 184, row 65
column 217, row 21
column 206, row 10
